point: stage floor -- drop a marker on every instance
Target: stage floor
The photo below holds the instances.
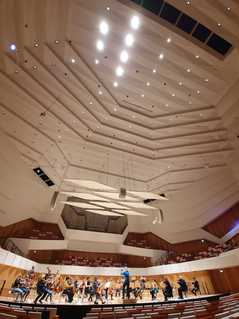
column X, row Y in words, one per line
column 58, row 301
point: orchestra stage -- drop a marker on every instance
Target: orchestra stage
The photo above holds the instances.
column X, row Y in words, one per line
column 79, row 310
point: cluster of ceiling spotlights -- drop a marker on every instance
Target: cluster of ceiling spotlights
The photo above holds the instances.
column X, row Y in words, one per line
column 129, row 40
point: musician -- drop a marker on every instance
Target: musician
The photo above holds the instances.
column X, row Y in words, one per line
column 117, row 288
column 87, row 290
column 83, row 290
column 26, row 287
column 142, row 282
column 167, row 289
column 107, row 286
column 182, row 288
column 69, row 289
column 16, row 288
column 49, row 286
column 195, row 286
column 154, row 290
column 41, row 289
column 126, row 281
column 111, row 293
column 97, row 291
column 31, row 273
column 77, row 287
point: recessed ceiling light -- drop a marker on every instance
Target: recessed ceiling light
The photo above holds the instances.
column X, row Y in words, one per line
column 161, row 56
column 57, row 41
column 154, row 70
column 124, row 56
column 169, row 40
column 188, row 2
column 206, row 80
column 104, row 27
column 97, row 61
column 115, row 84
column 34, row 67
column 180, row 83
column 166, row 104
column 108, row 8
column 100, row 92
column 129, row 40
column 36, row 44
column 219, row 24
column 142, row 95
column 173, row 94
column 197, row 56
column 148, row 83
column 188, row 70
column 221, row 270
column 135, row 22
column 228, row 9
column 198, row 91
column 119, row 71
column 13, row 47
column 100, row 45
column 73, row 60
column 91, row 102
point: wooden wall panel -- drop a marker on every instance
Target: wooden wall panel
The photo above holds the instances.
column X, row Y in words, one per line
column 9, row 274
column 225, row 222
column 30, row 228
column 228, row 280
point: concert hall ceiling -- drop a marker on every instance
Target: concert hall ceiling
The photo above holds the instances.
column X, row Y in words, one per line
column 88, row 93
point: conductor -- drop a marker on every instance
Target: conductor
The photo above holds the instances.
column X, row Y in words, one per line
column 125, row 274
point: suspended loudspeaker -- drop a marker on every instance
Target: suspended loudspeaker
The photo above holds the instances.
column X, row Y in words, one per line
column 122, row 193
column 53, row 200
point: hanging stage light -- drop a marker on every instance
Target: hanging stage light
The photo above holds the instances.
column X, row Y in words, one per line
column 53, row 200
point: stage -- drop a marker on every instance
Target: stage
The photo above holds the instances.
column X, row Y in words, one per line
column 79, row 310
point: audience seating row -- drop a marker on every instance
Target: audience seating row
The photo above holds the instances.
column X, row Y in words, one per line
column 209, row 252
column 225, row 308
column 25, row 312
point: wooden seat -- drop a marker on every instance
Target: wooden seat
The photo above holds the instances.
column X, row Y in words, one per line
column 7, row 316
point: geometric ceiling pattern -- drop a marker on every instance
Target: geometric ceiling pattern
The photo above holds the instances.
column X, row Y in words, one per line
column 161, row 112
